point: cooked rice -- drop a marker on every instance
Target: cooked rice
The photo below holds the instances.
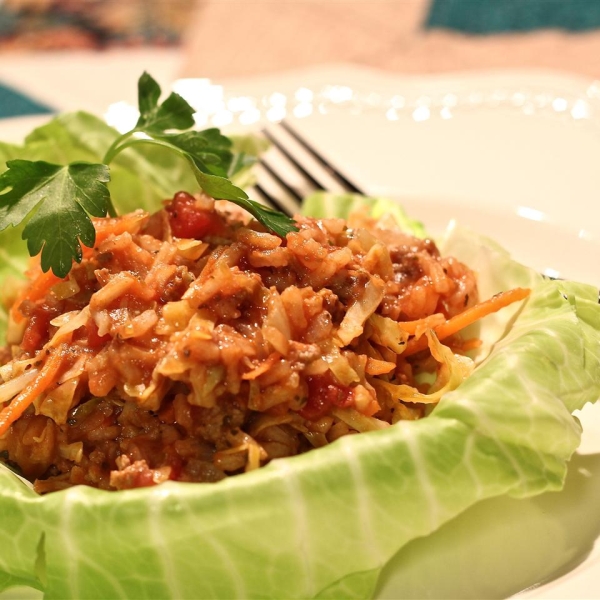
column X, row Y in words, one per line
column 194, row 359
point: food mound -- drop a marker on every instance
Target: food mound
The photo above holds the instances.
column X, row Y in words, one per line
column 191, row 344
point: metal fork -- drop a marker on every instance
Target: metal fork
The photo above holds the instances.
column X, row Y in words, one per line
column 292, row 168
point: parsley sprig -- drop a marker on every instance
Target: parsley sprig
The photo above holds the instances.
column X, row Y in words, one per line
column 55, row 202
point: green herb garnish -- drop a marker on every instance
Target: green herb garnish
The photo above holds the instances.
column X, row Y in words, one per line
column 56, row 201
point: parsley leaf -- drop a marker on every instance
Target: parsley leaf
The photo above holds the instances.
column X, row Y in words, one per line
column 210, row 150
column 58, row 199
column 173, row 113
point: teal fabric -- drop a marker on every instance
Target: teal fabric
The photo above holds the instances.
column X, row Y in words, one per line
column 496, row 16
column 16, row 104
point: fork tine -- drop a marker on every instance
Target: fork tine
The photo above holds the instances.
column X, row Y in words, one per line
column 295, row 191
column 297, row 175
column 293, row 179
column 309, row 166
column 274, row 192
column 331, row 170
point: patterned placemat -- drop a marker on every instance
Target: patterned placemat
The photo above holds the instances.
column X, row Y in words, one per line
column 91, row 24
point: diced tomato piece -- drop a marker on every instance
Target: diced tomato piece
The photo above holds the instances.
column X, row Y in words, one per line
column 323, row 392
column 189, row 221
column 94, row 340
column 36, row 333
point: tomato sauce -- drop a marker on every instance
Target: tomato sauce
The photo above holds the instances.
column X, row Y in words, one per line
column 325, row 391
column 37, row 331
column 187, row 221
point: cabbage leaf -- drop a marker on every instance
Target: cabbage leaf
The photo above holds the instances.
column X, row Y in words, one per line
column 325, row 205
column 325, row 523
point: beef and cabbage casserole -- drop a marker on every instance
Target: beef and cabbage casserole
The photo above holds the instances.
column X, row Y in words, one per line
column 192, row 344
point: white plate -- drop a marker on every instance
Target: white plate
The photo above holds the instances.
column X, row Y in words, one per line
column 513, row 155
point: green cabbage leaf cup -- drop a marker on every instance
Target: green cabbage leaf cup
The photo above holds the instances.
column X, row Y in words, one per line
column 324, row 524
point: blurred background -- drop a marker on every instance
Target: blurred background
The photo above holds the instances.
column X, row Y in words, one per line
column 30, row 25
column 63, row 54
column 239, row 37
column 234, row 37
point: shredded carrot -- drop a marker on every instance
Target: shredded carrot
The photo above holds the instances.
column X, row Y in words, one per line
column 46, row 377
column 263, row 367
column 419, row 326
column 36, row 291
column 465, row 345
column 458, row 322
column 105, row 227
